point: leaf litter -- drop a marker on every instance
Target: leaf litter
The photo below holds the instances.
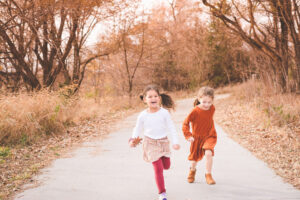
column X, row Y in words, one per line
column 278, row 146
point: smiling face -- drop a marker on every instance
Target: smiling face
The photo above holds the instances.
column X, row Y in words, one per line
column 152, row 99
column 205, row 102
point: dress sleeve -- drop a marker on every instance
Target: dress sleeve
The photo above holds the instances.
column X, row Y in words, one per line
column 138, row 127
column 171, row 127
column 186, row 125
column 212, row 131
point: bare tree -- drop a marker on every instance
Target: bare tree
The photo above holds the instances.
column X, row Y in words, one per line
column 131, row 30
column 271, row 37
column 38, row 37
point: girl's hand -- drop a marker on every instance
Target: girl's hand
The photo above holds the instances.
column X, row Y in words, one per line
column 176, row 146
column 131, row 143
column 191, row 139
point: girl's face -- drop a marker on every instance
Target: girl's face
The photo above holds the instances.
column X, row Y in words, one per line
column 152, row 99
column 205, row 102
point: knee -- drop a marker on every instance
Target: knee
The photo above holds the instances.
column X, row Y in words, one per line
column 167, row 166
column 208, row 153
column 166, row 163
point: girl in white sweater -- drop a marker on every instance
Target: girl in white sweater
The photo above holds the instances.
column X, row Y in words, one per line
column 155, row 122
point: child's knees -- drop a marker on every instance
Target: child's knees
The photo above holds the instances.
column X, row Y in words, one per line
column 208, row 153
column 166, row 167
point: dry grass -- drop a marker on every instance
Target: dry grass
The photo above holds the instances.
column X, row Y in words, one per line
column 279, row 109
column 26, row 118
column 266, row 123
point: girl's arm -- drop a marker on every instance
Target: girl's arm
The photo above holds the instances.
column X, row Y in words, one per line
column 212, row 131
column 171, row 127
column 186, row 126
column 135, row 140
column 138, row 127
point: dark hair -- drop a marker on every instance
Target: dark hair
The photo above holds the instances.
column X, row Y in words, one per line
column 196, row 102
column 204, row 91
column 166, row 100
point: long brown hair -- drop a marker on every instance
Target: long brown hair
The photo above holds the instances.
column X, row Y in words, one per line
column 166, row 100
column 204, row 91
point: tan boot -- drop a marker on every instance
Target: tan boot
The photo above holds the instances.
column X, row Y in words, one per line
column 191, row 177
column 209, row 179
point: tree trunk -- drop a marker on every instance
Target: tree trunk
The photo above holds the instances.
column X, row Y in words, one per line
column 284, row 51
column 76, row 70
column 20, row 64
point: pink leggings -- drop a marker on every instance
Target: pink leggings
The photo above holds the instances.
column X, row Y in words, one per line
column 159, row 166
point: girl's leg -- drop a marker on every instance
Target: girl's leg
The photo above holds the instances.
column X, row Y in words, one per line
column 209, row 161
column 159, row 176
column 193, row 165
column 166, row 162
column 192, row 173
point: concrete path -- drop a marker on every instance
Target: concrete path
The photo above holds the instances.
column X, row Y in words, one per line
column 110, row 170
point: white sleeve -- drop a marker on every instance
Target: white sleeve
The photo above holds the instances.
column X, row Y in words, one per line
column 171, row 128
column 138, row 127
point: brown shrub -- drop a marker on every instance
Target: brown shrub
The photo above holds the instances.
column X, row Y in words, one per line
column 279, row 108
column 24, row 118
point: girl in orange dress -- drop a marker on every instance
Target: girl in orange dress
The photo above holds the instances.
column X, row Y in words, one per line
column 203, row 137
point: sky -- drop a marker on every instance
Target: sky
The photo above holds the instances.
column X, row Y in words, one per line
column 100, row 28
column 151, row 3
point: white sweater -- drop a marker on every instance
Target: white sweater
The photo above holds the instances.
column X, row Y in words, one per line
column 155, row 125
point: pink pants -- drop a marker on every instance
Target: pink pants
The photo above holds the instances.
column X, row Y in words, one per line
column 159, row 166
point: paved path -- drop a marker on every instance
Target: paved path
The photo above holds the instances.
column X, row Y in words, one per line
column 110, row 170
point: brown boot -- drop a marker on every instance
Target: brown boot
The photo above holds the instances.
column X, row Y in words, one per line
column 191, row 177
column 209, row 179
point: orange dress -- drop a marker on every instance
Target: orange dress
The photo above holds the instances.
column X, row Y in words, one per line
column 203, row 131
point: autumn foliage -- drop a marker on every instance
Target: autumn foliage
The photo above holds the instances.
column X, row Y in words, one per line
column 55, row 73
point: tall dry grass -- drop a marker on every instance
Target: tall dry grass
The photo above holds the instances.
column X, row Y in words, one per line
column 280, row 109
column 26, row 118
